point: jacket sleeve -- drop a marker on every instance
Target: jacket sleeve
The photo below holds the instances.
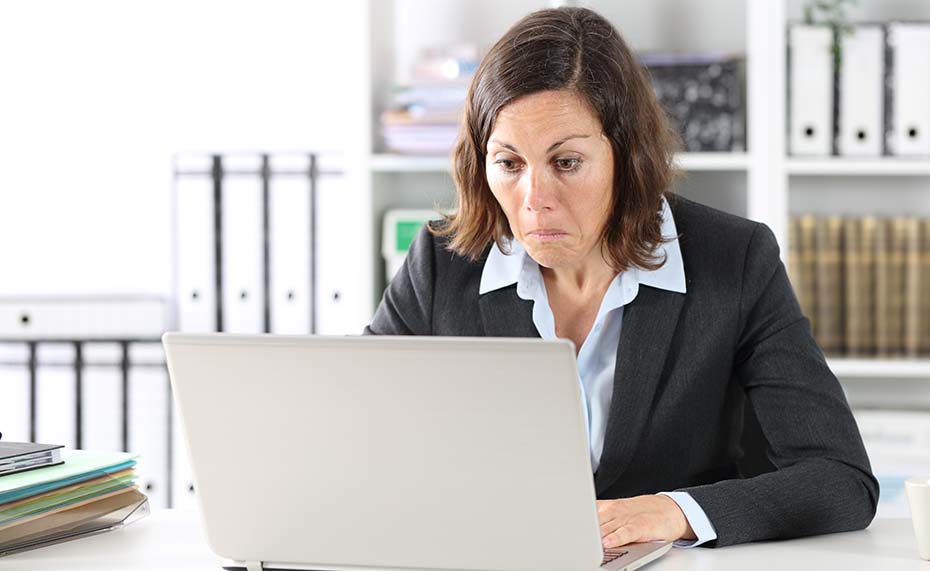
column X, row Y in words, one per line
column 407, row 305
column 823, row 481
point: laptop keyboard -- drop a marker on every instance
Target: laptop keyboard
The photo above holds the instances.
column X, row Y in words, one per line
column 612, row 554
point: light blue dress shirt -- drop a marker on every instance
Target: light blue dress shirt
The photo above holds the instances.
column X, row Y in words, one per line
column 597, row 357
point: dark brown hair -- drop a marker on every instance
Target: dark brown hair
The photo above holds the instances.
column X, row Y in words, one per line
column 572, row 49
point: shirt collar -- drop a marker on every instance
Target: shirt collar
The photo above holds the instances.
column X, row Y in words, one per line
column 502, row 270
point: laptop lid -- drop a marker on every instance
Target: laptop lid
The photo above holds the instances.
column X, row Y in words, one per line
column 376, row 452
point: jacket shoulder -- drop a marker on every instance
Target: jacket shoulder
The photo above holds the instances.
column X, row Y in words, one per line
column 719, row 243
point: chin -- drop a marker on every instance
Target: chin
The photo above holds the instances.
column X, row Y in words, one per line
column 550, row 257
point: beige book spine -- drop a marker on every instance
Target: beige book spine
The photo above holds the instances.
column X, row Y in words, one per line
column 882, row 285
column 807, row 250
column 830, row 329
column 868, row 228
column 794, row 257
column 897, row 290
column 912, row 311
column 857, row 287
column 924, row 328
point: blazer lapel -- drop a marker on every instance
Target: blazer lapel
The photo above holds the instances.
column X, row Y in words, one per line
column 649, row 323
column 505, row 314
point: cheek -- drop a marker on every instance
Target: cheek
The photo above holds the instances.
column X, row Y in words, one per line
column 505, row 195
column 592, row 206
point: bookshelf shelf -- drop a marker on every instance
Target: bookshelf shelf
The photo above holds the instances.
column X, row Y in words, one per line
column 879, row 166
column 691, row 162
column 709, row 162
column 409, row 163
column 901, row 368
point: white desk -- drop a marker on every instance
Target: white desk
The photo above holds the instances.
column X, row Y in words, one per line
column 173, row 540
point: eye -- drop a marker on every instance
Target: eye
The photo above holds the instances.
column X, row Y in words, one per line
column 568, row 164
column 509, row 166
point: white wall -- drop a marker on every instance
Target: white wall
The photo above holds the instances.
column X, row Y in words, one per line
column 96, row 96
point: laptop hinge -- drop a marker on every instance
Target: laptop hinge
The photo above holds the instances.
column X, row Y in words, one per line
column 253, row 566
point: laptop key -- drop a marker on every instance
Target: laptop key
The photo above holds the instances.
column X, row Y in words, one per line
column 612, row 554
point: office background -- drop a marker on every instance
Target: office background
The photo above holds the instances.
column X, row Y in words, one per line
column 111, row 116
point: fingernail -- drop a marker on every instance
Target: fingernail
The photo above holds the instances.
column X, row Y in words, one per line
column 608, row 543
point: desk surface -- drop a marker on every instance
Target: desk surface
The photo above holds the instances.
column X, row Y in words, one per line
column 174, row 540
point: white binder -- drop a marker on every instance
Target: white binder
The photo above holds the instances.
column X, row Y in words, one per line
column 148, row 419
column 909, row 89
column 56, row 395
column 290, row 256
column 810, row 85
column 182, row 481
column 102, row 397
column 862, row 92
column 85, row 317
column 242, row 245
column 195, row 274
column 341, row 308
column 14, row 388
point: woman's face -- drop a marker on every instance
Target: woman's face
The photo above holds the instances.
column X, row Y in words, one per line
column 550, row 167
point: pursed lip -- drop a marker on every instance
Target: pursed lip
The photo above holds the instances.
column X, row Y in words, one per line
column 548, row 234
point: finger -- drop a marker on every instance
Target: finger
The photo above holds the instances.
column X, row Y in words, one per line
column 605, row 506
column 623, row 535
column 606, row 513
column 611, row 526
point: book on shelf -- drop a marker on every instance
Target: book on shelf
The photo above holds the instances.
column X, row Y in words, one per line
column 864, row 283
column 794, row 256
column 859, row 241
column 917, row 287
column 924, row 302
column 807, row 283
column 829, row 264
column 889, row 288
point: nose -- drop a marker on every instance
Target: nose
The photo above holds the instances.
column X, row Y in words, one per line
column 537, row 193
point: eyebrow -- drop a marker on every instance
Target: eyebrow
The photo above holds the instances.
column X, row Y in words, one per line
column 553, row 147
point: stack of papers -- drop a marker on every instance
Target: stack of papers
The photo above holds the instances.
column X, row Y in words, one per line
column 423, row 115
column 88, row 493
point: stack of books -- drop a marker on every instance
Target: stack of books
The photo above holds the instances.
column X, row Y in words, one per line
column 86, row 493
column 423, row 116
column 864, row 283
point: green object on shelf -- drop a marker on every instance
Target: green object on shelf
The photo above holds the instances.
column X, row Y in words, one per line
column 406, row 232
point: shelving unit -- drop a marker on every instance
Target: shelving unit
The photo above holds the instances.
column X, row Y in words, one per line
column 409, row 163
column 899, row 368
column 763, row 183
column 840, row 166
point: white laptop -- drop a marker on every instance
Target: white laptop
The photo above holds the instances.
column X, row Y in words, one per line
column 390, row 453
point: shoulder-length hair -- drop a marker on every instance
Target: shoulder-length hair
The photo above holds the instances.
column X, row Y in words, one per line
column 572, row 49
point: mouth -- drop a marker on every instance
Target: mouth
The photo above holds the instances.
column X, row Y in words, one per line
column 548, row 234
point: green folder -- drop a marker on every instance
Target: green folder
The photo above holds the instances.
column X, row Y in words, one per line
column 57, row 500
column 79, row 465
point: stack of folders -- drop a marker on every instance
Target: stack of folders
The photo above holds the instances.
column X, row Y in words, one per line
column 423, row 115
column 860, row 92
column 89, row 493
column 864, row 283
column 22, row 456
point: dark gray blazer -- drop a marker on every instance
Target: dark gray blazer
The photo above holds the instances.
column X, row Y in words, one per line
column 698, row 376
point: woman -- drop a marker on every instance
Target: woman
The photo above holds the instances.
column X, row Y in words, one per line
column 683, row 317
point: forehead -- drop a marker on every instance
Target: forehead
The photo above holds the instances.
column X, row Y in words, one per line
column 546, row 113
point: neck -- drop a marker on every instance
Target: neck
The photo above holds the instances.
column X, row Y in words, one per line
column 590, row 278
